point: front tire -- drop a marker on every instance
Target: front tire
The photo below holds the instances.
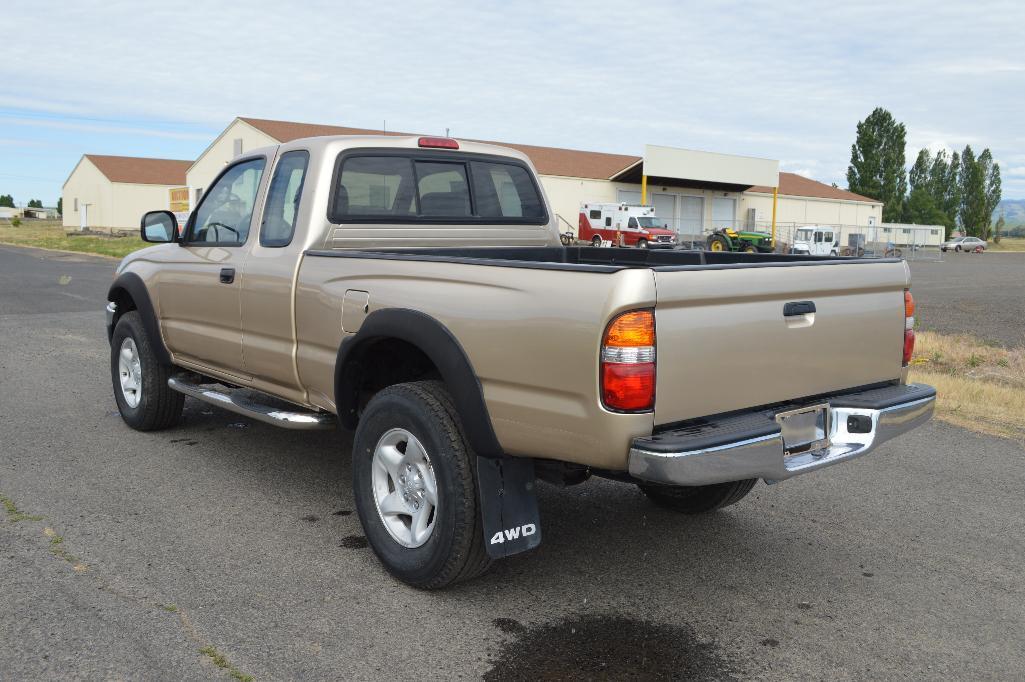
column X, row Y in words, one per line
column 415, row 486
column 699, row 499
column 642, row 243
column 145, row 401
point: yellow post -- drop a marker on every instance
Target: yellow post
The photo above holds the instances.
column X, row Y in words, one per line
column 644, row 190
column 775, row 192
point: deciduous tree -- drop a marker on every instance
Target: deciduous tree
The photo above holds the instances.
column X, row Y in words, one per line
column 877, row 162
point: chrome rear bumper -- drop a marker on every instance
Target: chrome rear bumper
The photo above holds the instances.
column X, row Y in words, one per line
column 751, row 445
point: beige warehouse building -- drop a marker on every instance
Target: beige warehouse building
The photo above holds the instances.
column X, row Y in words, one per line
column 694, row 192
column 110, row 193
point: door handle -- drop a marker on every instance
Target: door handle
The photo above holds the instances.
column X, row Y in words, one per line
column 798, row 308
column 227, row 275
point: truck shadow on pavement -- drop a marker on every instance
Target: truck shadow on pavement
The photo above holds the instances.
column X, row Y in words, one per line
column 619, row 587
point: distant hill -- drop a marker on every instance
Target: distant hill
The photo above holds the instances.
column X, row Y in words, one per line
column 1013, row 210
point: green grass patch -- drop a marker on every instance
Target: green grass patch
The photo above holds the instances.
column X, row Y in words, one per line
column 170, row 608
column 222, row 662
column 1007, row 244
column 14, row 515
column 45, row 234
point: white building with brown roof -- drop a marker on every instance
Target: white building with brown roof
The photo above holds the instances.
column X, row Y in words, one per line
column 110, row 193
column 693, row 191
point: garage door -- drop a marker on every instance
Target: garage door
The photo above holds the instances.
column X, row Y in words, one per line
column 724, row 212
column 665, row 209
column 629, row 196
column 692, row 212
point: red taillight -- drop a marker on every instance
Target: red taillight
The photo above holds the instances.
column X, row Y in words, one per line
column 628, row 387
column 909, row 327
column 438, row 142
column 628, row 362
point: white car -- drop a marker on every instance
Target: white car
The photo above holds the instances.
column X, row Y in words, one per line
column 967, row 244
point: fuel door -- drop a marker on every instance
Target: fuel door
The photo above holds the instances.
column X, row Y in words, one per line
column 355, row 306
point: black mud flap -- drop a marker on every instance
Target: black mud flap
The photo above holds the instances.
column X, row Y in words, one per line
column 512, row 523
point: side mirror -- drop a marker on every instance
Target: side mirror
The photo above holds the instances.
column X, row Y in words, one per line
column 159, row 227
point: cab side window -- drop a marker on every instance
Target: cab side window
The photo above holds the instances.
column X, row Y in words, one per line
column 227, row 209
column 286, row 188
column 632, row 224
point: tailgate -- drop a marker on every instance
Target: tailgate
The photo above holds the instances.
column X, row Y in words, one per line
column 724, row 344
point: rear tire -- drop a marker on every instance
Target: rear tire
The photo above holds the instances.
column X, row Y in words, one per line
column 718, row 243
column 595, row 240
column 453, row 549
column 699, row 499
column 145, row 401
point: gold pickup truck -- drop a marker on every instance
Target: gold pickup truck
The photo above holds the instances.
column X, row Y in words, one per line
column 415, row 290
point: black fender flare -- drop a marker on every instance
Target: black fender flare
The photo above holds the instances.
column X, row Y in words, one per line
column 441, row 347
column 131, row 284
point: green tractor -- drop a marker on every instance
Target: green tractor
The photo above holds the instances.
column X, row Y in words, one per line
column 728, row 239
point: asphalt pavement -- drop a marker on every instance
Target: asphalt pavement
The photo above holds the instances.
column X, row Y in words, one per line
column 225, row 545
column 968, row 293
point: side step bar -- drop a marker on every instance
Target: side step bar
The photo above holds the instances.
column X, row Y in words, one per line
column 299, row 420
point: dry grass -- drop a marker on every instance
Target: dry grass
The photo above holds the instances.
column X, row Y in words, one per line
column 979, row 386
column 47, row 234
column 1008, row 244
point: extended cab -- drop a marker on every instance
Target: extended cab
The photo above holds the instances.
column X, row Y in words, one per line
column 415, row 291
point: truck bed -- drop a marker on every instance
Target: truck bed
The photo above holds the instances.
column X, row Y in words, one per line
column 591, row 259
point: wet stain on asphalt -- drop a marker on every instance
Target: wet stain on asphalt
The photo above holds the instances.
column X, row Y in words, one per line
column 311, row 518
column 868, row 574
column 184, row 440
column 354, row 542
column 509, row 625
column 770, row 641
column 342, row 512
column 605, row 647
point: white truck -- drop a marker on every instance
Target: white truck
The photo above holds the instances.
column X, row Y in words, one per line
column 816, row 240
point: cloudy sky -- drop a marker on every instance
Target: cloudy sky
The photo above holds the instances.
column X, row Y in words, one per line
column 784, row 80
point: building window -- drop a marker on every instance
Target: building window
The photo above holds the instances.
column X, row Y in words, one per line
column 934, row 232
column 76, row 204
column 906, row 231
column 238, row 146
column 887, row 230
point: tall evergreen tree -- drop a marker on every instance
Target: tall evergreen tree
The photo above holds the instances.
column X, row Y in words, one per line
column 6, row 200
column 877, row 162
column 60, row 206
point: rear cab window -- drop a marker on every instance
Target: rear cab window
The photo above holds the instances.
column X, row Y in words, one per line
column 416, row 186
column 283, row 199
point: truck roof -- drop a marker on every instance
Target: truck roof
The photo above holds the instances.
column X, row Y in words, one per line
column 333, row 144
